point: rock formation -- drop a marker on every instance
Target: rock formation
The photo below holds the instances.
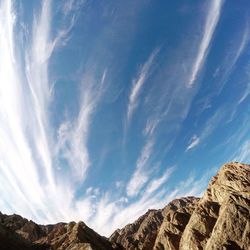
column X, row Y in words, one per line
column 17, row 233
column 219, row 220
column 142, row 232
column 176, row 216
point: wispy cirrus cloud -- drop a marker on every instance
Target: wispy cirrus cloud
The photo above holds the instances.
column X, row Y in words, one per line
column 138, row 83
column 243, row 153
column 246, row 92
column 174, row 102
column 210, row 126
column 73, row 136
column 37, row 59
column 242, row 44
column 194, row 141
column 156, row 183
column 228, row 66
column 71, row 5
column 141, row 173
column 212, row 19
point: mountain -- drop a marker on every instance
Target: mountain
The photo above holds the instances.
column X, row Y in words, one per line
column 218, row 220
column 17, row 233
column 157, row 228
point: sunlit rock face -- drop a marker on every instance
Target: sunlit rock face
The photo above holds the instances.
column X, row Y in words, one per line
column 142, row 233
column 219, row 220
column 176, row 216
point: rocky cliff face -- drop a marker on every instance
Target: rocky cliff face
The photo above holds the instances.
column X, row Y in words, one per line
column 141, row 233
column 157, row 229
column 219, row 220
column 176, row 216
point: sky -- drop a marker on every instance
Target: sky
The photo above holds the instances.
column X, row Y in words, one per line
column 110, row 108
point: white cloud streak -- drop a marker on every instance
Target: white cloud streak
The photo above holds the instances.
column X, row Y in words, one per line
column 195, row 140
column 70, row 6
column 138, row 83
column 231, row 59
column 141, row 174
column 156, row 183
column 73, row 137
column 243, row 153
column 213, row 16
column 210, row 126
column 245, row 94
column 40, row 93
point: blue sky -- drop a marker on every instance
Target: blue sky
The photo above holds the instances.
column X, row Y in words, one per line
column 109, row 108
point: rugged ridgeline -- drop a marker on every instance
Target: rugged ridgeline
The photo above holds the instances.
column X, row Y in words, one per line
column 219, row 220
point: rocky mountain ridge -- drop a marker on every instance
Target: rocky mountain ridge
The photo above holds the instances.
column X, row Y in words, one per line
column 218, row 220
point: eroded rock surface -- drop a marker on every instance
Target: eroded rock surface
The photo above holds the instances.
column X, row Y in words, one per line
column 176, row 216
column 219, row 220
column 142, row 233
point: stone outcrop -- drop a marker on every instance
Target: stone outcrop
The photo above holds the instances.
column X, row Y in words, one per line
column 176, row 216
column 140, row 234
column 219, row 220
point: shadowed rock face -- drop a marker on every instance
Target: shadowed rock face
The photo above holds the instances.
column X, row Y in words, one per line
column 19, row 233
column 219, row 220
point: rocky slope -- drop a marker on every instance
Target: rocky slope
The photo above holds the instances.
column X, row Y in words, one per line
column 219, row 220
column 142, row 232
column 17, row 233
column 157, row 229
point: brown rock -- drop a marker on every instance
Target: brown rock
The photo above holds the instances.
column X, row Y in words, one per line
column 176, row 216
column 219, row 220
column 141, row 234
